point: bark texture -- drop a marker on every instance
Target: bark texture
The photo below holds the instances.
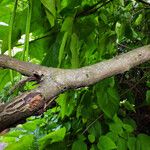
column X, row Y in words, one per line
column 53, row 81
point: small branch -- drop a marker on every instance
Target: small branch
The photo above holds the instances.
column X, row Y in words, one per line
column 99, row 117
column 92, row 9
column 24, row 68
column 23, row 82
column 144, row 2
column 52, row 32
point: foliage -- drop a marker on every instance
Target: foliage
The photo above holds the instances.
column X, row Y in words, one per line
column 114, row 113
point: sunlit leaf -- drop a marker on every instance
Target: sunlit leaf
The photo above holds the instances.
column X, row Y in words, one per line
column 105, row 143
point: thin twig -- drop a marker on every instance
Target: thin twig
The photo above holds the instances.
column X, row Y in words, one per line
column 22, row 83
column 144, row 2
column 92, row 9
column 133, row 86
column 92, row 123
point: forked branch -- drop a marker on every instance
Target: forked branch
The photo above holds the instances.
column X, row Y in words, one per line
column 54, row 81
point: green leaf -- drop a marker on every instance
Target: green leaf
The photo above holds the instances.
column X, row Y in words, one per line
column 52, row 53
column 30, row 125
column 116, row 125
column 62, row 101
column 79, row 145
column 74, row 47
column 55, row 136
column 105, row 143
column 4, row 78
column 15, row 133
column 26, row 142
column 50, row 5
column 7, row 139
column 51, row 18
column 131, row 143
column 50, row 8
column 128, row 105
column 119, row 31
column 144, row 142
column 138, row 19
column 62, row 48
column 148, row 97
column 121, row 144
column 107, row 98
column 91, row 138
column 67, row 24
column 67, row 105
column 96, row 129
column 85, row 27
column 128, row 128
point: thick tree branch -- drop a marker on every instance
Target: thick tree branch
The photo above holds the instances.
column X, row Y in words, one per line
column 55, row 81
column 91, row 74
column 25, row 68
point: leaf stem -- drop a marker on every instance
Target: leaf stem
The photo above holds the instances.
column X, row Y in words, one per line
column 26, row 45
column 10, row 36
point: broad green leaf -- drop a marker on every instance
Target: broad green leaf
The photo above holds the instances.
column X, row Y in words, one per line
column 55, row 136
column 144, row 142
column 122, row 2
column 62, row 101
column 15, row 133
column 52, row 53
column 116, row 126
column 93, row 147
column 30, row 126
column 39, row 21
column 96, row 129
column 51, row 18
column 4, row 78
column 148, row 97
column 50, row 5
column 66, row 104
column 107, row 98
column 128, row 128
column 105, row 143
column 5, row 13
column 17, row 31
column 87, row 26
column 119, row 31
column 74, row 3
column 104, row 18
column 38, row 48
column 113, row 136
column 121, row 144
column 138, row 19
column 131, row 143
column 67, row 24
column 26, row 142
column 79, row 145
column 91, row 138
column 7, row 139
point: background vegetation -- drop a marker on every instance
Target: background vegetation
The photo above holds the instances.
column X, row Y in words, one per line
column 112, row 114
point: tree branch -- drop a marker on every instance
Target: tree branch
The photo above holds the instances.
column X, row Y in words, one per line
column 144, row 2
column 91, row 74
column 55, row 81
column 25, row 68
column 92, row 9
